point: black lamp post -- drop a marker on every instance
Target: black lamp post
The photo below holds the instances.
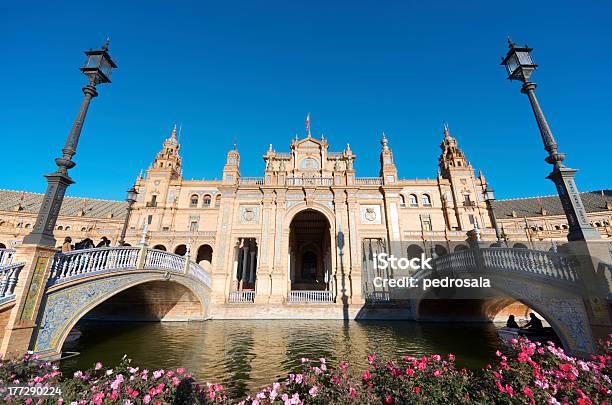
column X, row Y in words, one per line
column 98, row 68
column 520, row 66
column 132, row 194
column 489, row 197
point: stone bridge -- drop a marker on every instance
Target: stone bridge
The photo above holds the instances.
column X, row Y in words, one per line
column 81, row 280
column 553, row 284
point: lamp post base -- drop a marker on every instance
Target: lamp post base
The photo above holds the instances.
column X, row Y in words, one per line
column 42, row 233
column 579, row 226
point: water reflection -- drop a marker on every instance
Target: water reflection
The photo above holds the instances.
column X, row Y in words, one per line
column 246, row 355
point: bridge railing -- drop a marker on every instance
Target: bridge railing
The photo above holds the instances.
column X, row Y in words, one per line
column 196, row 271
column 159, row 259
column 9, row 276
column 78, row 263
column 547, row 264
column 6, row 256
column 462, row 260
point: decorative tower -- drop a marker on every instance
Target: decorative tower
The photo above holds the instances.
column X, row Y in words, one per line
column 463, row 202
column 388, row 171
column 231, row 170
column 168, row 160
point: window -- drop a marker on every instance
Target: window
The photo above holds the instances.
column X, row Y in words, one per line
column 426, row 200
column 206, row 202
column 467, row 200
column 402, row 201
column 83, row 229
column 149, row 219
column 426, row 224
column 193, row 202
column 414, row 202
column 218, row 200
column 193, row 226
column 153, row 202
column 472, row 219
column 28, row 225
column 66, row 229
column 60, row 228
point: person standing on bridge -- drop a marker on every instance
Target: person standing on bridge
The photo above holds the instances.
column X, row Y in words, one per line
column 67, row 245
column 105, row 242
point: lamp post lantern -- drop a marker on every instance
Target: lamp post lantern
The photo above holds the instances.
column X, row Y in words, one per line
column 489, row 197
column 98, row 68
column 520, row 66
column 132, row 195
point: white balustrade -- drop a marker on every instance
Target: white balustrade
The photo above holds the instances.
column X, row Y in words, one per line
column 6, row 256
column 309, row 181
column 80, row 263
column 310, row 296
column 241, row 297
column 159, row 259
column 377, row 296
column 195, row 270
column 251, row 180
column 537, row 262
column 463, row 260
column 9, row 276
column 369, row 181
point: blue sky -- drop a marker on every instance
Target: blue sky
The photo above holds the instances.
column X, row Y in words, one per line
column 251, row 70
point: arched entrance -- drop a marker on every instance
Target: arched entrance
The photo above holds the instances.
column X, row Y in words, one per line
column 204, row 256
column 310, row 251
column 180, row 250
column 160, row 247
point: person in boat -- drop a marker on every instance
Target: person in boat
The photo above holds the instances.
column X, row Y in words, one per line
column 534, row 323
column 511, row 323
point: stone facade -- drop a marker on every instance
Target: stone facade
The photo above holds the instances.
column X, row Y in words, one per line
column 305, row 226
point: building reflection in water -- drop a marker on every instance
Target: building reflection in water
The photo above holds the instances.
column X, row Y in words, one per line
column 246, row 355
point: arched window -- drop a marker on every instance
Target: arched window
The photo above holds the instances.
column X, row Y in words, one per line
column 27, row 225
column 66, row 228
column 60, row 228
column 218, row 200
column 206, row 202
column 426, row 200
column 557, row 227
column 19, row 225
column 414, row 202
column 193, row 202
column 83, row 229
column 402, row 200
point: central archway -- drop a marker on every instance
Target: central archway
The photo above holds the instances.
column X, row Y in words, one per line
column 310, row 251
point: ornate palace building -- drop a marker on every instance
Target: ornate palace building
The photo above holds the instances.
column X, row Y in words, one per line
column 309, row 224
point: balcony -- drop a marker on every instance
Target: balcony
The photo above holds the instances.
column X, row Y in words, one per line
column 151, row 204
column 369, row 181
column 306, row 296
column 309, row 181
column 241, row 297
column 258, row 181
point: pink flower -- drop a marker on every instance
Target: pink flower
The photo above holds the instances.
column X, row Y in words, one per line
column 298, row 378
column 366, row 376
column 409, row 372
column 388, row 399
column 436, row 357
column 498, row 353
column 180, row 370
column 158, row 373
column 371, row 358
column 305, row 360
column 451, row 357
column 417, row 390
column 527, row 391
column 352, row 392
column 98, row 366
column 97, row 398
column 437, row 373
column 175, row 381
column 313, row 391
column 146, row 399
column 422, row 366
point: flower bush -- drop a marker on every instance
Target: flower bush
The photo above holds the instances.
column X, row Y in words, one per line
column 526, row 373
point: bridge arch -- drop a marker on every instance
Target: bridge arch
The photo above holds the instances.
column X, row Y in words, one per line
column 64, row 305
column 556, row 301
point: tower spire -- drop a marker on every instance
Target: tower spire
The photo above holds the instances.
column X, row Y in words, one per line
column 384, row 142
column 446, row 131
column 308, row 124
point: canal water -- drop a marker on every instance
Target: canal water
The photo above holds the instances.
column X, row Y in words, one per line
column 247, row 355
